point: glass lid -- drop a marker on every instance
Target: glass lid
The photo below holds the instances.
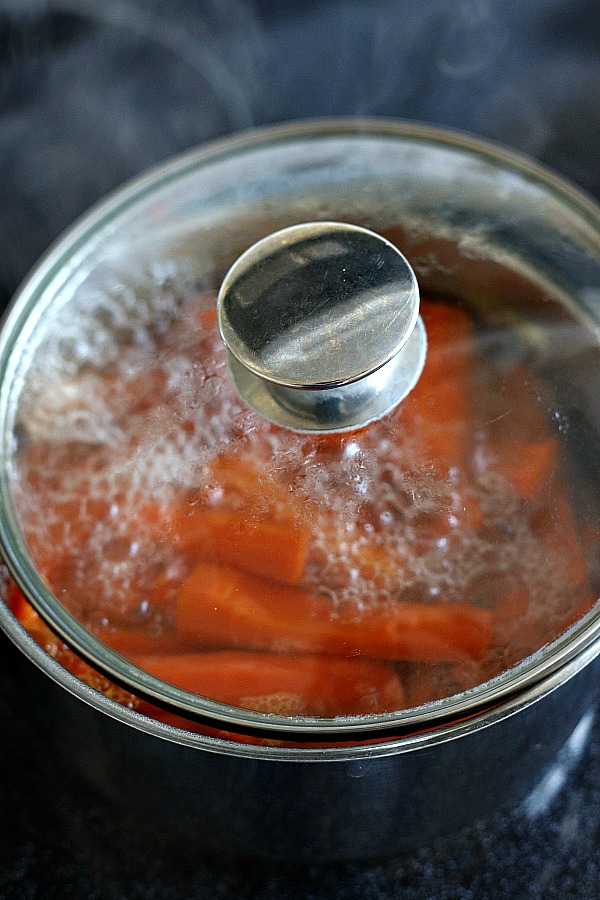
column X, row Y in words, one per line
column 415, row 565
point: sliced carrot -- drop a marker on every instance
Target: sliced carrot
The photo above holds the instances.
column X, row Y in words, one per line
column 21, row 608
column 237, row 474
column 436, row 414
column 255, row 525
column 529, row 466
column 376, row 563
column 223, row 607
column 558, row 529
column 533, row 467
column 465, row 511
column 449, row 339
column 137, row 394
column 131, row 640
column 276, row 550
column 287, row 685
column 245, row 484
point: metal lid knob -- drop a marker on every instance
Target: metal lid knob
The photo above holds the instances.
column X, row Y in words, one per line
column 322, row 325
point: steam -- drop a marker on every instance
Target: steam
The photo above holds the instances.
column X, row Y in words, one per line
column 94, row 92
column 517, row 117
column 472, row 37
column 191, row 46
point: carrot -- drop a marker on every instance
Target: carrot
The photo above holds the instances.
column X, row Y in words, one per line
column 558, row 530
column 256, row 526
column 379, row 563
column 436, row 413
column 535, row 465
column 528, row 465
column 265, row 547
column 131, row 640
column 465, row 511
column 22, row 609
column 449, row 336
column 286, row 685
column 222, row 607
column 376, row 563
column 247, row 484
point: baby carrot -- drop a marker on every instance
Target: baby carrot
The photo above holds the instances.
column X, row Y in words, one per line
column 222, row 607
column 275, row 683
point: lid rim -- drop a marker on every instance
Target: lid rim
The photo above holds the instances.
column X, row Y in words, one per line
column 421, row 739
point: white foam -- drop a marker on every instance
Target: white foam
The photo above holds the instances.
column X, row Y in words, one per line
column 92, row 439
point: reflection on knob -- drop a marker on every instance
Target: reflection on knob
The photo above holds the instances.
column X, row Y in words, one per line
column 321, row 322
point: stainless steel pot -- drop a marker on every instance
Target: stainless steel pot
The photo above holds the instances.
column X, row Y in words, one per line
column 468, row 215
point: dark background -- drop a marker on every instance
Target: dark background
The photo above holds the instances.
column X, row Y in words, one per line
column 94, row 91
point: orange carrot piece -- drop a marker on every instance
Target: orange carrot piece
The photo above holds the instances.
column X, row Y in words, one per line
column 287, row 685
column 558, row 530
column 255, row 527
column 22, row 608
column 238, row 474
column 449, row 336
column 208, row 317
column 265, row 547
column 436, row 413
column 221, row 607
column 131, row 640
column 247, row 486
column 533, row 466
column 529, row 466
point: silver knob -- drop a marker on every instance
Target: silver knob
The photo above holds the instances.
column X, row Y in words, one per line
column 322, row 326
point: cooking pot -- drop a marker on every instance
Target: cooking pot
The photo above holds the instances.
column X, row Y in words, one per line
column 510, row 241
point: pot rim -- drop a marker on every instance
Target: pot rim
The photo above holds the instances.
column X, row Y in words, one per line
column 392, row 746
column 494, row 697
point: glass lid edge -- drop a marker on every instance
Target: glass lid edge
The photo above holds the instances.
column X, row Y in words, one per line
column 20, row 321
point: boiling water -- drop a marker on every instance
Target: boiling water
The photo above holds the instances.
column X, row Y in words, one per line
column 126, row 414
